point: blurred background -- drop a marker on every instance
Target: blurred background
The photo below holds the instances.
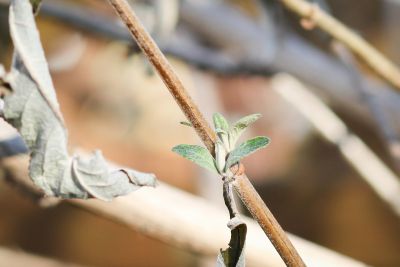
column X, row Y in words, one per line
column 228, row 54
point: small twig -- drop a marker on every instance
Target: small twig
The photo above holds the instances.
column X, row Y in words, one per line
column 229, row 199
column 247, row 193
column 378, row 62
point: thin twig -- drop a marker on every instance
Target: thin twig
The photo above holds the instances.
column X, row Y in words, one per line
column 376, row 60
column 247, row 193
column 164, row 69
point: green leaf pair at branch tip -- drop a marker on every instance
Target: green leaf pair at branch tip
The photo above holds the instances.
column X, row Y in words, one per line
column 226, row 152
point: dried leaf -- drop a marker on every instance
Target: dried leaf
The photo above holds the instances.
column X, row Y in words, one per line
column 220, row 156
column 33, row 109
column 198, row 155
column 245, row 149
column 26, row 40
column 234, row 256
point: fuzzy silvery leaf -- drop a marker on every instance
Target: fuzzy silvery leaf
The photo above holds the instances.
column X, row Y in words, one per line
column 220, row 122
column 220, row 155
column 97, row 179
column 28, row 47
column 240, row 126
column 245, row 149
column 198, row 155
column 32, row 108
column 234, row 256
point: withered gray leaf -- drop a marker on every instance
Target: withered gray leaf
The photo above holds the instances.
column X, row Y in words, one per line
column 33, row 109
column 234, row 256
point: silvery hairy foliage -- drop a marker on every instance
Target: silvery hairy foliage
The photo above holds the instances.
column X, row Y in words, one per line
column 32, row 108
column 227, row 154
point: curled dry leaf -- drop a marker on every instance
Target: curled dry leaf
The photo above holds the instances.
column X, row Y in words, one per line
column 33, row 109
column 234, row 256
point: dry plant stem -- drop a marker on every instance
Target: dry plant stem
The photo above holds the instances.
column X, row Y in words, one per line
column 339, row 31
column 249, row 196
column 267, row 221
column 164, row 69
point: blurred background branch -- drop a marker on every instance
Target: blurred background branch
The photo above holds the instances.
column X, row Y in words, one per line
column 245, row 47
column 181, row 219
column 357, row 44
column 378, row 112
column 382, row 180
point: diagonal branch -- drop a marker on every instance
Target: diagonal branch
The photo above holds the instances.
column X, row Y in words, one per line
column 245, row 190
column 169, row 77
column 378, row 62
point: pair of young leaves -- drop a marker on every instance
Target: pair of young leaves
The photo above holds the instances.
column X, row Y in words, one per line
column 227, row 154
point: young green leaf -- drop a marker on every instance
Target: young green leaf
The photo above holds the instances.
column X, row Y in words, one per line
column 233, row 256
column 220, row 122
column 245, row 149
column 198, row 155
column 241, row 125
